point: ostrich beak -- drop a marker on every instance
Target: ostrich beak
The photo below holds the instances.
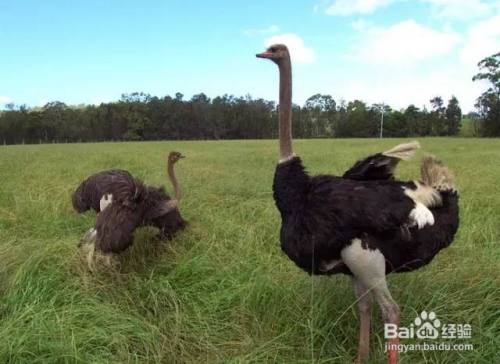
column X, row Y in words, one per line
column 182, row 156
column 265, row 54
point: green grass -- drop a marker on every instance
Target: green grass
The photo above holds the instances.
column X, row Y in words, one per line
column 222, row 291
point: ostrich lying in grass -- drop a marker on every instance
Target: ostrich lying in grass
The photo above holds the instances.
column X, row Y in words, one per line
column 363, row 224
column 124, row 203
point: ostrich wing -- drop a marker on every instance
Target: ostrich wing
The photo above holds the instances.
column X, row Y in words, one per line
column 381, row 166
column 115, row 227
column 373, row 167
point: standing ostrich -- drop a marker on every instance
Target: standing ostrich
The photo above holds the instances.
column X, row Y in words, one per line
column 365, row 226
column 124, row 203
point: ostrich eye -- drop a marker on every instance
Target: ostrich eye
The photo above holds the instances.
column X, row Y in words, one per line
column 273, row 49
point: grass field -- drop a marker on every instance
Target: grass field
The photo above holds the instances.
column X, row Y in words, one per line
column 222, row 290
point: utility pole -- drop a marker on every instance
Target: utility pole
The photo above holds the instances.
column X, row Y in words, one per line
column 382, row 121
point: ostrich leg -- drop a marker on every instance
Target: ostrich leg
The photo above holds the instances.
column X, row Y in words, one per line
column 390, row 314
column 364, row 301
column 368, row 268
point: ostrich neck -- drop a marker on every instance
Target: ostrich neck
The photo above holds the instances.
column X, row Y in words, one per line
column 290, row 179
column 285, row 110
column 173, row 180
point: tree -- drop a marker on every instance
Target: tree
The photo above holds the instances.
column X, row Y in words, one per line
column 357, row 116
column 415, row 121
column 488, row 104
column 53, row 121
column 320, row 115
column 437, row 116
column 396, row 125
column 342, row 128
column 453, row 116
column 199, row 117
column 134, row 110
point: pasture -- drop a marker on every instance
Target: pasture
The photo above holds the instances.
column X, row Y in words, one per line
column 222, row 291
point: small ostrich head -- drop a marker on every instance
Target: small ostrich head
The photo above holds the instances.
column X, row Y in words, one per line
column 276, row 53
column 79, row 203
column 173, row 157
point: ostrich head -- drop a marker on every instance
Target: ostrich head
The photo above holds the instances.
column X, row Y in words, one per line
column 79, row 203
column 173, row 157
column 276, row 53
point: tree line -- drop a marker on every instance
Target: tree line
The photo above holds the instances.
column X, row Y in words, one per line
column 140, row 116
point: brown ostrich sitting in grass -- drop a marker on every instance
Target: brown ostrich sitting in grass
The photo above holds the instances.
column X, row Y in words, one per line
column 124, row 203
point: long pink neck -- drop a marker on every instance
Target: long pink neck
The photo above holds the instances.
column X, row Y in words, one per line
column 173, row 180
column 285, row 109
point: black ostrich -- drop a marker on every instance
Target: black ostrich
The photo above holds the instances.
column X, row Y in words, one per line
column 364, row 224
column 124, row 203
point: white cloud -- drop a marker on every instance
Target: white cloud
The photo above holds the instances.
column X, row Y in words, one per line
column 272, row 29
column 443, row 9
column 350, row 7
column 298, row 50
column 5, row 99
column 410, row 62
column 459, row 9
column 483, row 39
column 360, row 24
column 403, row 43
column 400, row 89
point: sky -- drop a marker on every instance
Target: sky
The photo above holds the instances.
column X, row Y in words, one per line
column 399, row 52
